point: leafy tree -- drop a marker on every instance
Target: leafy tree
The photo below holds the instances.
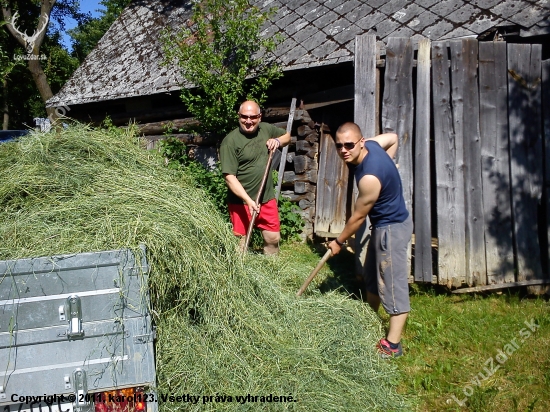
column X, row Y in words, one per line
column 23, row 16
column 59, row 65
column 223, row 54
column 20, row 100
column 17, row 88
column 91, row 29
column 6, row 67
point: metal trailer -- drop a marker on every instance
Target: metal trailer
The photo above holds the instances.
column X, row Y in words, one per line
column 76, row 333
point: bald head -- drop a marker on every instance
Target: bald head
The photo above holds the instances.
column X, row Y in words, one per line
column 250, row 116
column 349, row 127
column 347, row 138
column 249, row 106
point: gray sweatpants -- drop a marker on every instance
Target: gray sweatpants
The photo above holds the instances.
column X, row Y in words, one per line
column 386, row 266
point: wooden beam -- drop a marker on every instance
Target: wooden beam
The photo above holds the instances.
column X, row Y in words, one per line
column 449, row 180
column 377, row 96
column 365, row 116
column 397, row 112
column 187, row 139
column 278, row 112
column 422, row 193
column 282, row 164
column 143, row 115
column 476, row 271
column 303, row 187
column 398, row 107
column 157, row 128
column 302, row 164
column 365, row 84
column 294, row 197
column 335, row 94
column 503, row 286
column 291, row 177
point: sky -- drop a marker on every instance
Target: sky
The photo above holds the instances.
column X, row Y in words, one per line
column 85, row 6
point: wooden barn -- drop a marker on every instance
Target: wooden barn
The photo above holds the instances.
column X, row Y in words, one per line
column 464, row 83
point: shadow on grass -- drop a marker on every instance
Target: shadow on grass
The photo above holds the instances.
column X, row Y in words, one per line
column 343, row 276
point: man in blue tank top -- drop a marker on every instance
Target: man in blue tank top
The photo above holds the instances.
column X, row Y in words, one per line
column 381, row 198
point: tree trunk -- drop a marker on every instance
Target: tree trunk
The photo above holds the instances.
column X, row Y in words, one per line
column 5, row 108
column 32, row 46
column 43, row 86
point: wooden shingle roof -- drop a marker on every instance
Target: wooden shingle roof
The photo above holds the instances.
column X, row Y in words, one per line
column 126, row 62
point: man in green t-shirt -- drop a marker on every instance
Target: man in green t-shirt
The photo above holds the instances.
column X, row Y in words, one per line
column 244, row 154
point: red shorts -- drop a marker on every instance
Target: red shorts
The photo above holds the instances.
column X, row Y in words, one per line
column 268, row 219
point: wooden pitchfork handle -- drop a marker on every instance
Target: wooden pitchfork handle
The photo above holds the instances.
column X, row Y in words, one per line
column 258, row 197
column 314, row 272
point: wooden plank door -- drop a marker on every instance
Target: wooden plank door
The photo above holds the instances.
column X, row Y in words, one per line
column 332, row 186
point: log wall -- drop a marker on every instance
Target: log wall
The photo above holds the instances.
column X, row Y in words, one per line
column 301, row 167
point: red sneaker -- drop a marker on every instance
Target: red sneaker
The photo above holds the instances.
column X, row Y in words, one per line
column 385, row 350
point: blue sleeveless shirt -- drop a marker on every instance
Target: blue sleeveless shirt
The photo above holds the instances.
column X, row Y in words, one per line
column 390, row 206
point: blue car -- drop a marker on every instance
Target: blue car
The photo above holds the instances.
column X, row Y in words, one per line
column 11, row 135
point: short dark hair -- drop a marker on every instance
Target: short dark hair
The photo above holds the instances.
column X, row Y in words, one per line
column 349, row 127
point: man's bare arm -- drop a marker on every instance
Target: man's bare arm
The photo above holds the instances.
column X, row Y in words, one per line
column 285, row 139
column 272, row 143
column 388, row 142
column 236, row 187
column 369, row 190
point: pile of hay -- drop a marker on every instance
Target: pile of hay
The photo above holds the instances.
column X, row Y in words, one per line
column 226, row 325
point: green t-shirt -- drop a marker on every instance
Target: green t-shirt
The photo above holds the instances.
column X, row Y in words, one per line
column 245, row 156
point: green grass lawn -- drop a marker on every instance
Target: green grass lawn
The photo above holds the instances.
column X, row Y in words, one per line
column 476, row 352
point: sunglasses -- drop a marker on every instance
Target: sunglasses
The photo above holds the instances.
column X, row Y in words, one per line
column 347, row 145
column 253, row 117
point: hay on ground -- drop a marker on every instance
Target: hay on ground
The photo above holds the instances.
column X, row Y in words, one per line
column 226, row 327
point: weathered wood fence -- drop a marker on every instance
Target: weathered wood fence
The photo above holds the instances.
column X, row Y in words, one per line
column 475, row 167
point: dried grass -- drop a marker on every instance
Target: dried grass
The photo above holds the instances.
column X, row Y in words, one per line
column 226, row 326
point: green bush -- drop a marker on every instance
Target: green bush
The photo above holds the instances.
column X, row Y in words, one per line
column 291, row 222
column 211, row 181
column 225, row 56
